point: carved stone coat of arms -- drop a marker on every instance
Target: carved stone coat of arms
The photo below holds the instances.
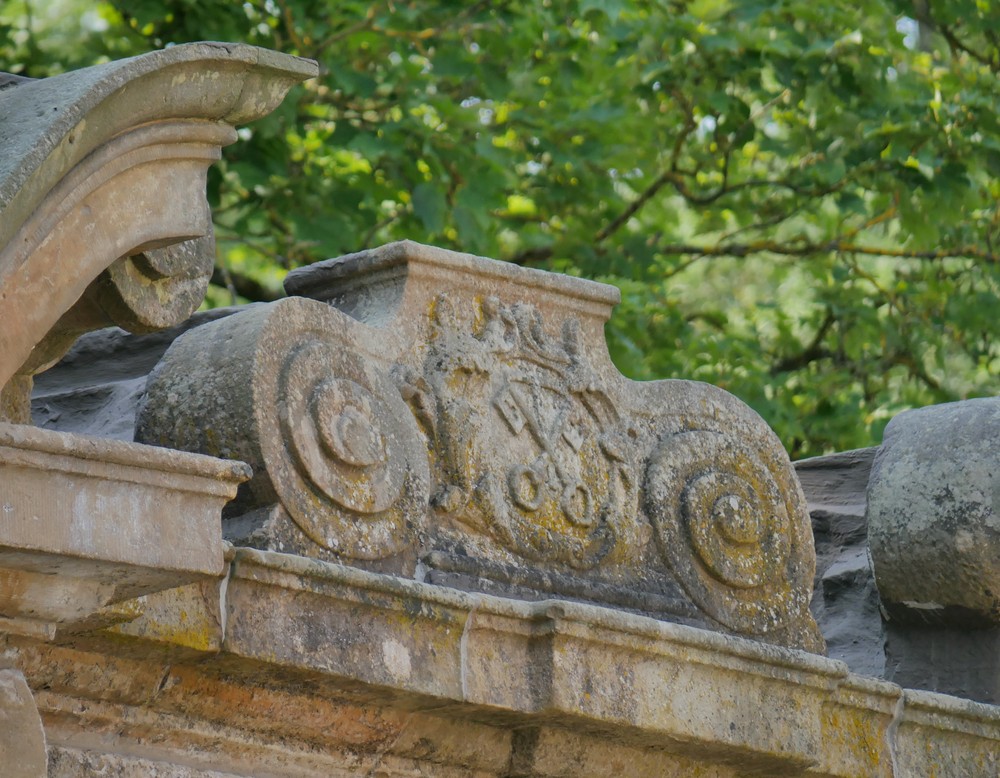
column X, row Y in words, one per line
column 458, row 420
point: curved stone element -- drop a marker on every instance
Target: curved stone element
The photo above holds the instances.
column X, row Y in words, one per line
column 731, row 523
column 555, row 476
column 157, row 288
column 105, row 168
column 934, row 515
column 287, row 388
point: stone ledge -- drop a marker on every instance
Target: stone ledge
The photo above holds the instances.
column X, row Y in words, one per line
column 86, row 523
column 559, row 666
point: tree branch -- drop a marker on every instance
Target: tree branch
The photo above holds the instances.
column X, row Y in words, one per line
column 690, row 125
column 347, row 31
column 650, row 191
column 244, row 286
column 808, row 249
column 810, row 353
column 993, row 63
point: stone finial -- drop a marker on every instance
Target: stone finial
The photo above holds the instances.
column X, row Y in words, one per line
column 934, row 517
column 459, row 420
column 103, row 217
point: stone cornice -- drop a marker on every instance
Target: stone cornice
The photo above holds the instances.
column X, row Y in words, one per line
column 554, row 668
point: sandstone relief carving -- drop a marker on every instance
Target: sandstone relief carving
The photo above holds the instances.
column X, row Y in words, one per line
column 456, row 419
column 530, row 444
column 287, row 389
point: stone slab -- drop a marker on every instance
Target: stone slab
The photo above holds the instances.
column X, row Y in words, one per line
column 85, row 523
column 836, row 489
column 845, row 600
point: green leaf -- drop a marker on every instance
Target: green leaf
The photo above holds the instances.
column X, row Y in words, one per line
column 430, row 207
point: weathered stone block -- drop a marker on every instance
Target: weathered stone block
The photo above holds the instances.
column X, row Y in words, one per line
column 85, row 523
column 458, row 420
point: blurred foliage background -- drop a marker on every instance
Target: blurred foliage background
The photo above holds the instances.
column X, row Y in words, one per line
column 800, row 200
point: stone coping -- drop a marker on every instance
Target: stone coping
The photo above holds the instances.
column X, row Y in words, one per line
column 323, row 280
column 492, row 661
column 129, row 461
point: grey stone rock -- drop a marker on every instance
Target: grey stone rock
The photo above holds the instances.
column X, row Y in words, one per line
column 933, row 521
column 845, row 603
column 952, row 660
column 836, row 489
column 8, row 80
column 95, row 389
column 917, row 653
column 849, row 615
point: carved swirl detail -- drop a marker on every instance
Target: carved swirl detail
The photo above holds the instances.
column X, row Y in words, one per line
column 157, row 288
column 341, row 447
column 326, row 431
column 336, row 425
column 726, row 530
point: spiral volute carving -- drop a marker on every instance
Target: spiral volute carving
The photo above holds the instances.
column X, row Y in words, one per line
column 157, row 288
column 728, row 529
column 340, row 448
column 326, row 430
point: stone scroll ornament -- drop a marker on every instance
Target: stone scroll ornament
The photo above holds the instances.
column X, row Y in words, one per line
column 727, row 523
column 287, row 389
column 456, row 419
